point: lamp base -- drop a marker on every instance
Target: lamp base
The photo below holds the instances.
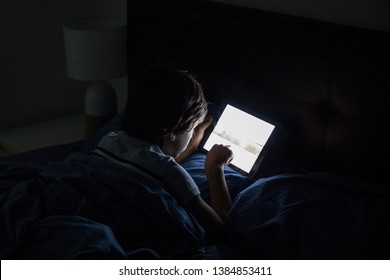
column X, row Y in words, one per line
column 100, row 106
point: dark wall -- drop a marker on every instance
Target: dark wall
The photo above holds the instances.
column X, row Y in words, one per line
column 371, row 14
column 34, row 86
column 326, row 83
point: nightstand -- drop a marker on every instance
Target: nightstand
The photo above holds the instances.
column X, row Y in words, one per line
column 54, row 132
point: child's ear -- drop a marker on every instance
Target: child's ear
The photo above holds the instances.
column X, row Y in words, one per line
column 172, row 136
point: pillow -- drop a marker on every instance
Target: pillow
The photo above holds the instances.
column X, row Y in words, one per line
column 311, row 216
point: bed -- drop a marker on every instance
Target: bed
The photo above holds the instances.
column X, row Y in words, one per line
column 322, row 194
column 61, row 202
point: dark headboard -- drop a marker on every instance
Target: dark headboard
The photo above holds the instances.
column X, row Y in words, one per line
column 328, row 84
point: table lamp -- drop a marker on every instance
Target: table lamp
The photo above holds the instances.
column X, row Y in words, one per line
column 96, row 51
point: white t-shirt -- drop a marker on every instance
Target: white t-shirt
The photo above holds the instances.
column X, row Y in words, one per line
column 123, row 149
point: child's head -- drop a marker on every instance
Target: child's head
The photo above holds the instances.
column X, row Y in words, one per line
column 162, row 102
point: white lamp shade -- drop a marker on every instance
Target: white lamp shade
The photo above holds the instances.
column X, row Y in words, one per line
column 96, row 48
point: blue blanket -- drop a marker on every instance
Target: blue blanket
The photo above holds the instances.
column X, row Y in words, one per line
column 55, row 206
column 86, row 207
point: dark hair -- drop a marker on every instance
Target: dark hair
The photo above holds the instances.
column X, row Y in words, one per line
column 163, row 101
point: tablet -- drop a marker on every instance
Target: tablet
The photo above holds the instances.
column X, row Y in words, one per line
column 249, row 137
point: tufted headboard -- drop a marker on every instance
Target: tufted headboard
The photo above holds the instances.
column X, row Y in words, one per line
column 328, row 84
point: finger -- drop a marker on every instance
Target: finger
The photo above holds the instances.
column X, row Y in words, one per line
column 229, row 161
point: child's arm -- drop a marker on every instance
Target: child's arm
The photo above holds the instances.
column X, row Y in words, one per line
column 212, row 217
column 216, row 159
column 207, row 218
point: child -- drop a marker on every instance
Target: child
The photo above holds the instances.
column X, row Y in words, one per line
column 164, row 122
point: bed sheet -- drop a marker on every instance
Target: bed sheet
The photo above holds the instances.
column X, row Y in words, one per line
column 85, row 207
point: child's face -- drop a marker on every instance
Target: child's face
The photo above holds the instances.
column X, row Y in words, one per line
column 174, row 145
column 183, row 140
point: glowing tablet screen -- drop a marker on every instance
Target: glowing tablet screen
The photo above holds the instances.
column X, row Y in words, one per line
column 244, row 133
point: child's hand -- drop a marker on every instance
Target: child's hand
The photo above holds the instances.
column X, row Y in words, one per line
column 199, row 131
column 196, row 139
column 218, row 156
